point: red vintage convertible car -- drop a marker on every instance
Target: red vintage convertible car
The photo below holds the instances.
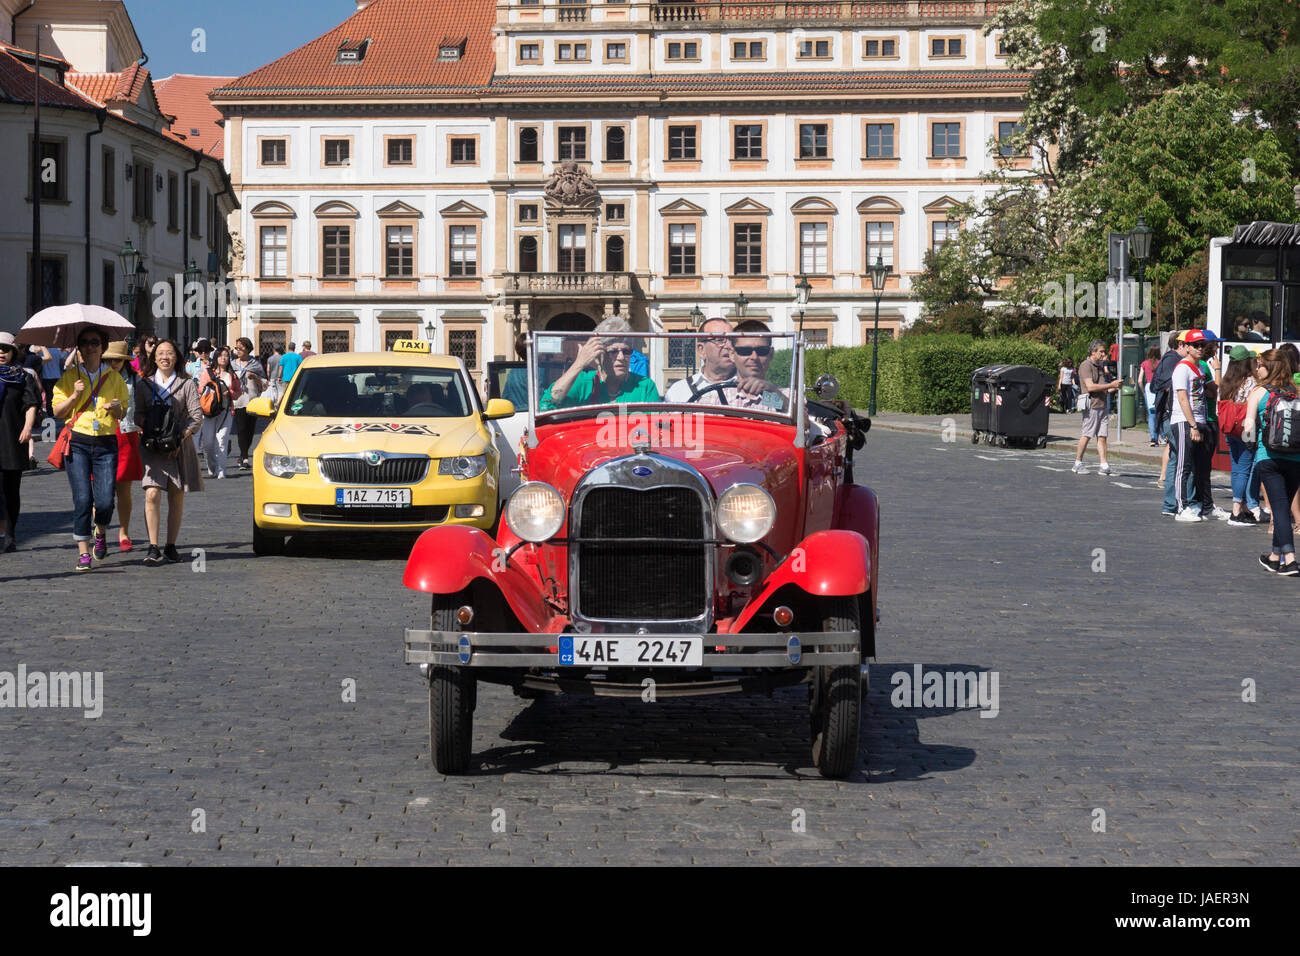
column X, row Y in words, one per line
column 711, row 544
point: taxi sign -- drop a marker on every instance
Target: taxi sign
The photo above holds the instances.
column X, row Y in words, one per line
column 411, row 345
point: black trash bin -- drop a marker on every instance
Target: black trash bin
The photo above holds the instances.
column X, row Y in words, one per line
column 1018, row 404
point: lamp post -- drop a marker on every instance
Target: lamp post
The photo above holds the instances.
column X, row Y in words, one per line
column 428, row 333
column 879, row 272
column 1139, row 247
column 802, row 292
column 697, row 320
column 191, row 278
column 742, row 300
column 132, row 277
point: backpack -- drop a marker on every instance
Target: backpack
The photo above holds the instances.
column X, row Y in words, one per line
column 1162, row 386
column 214, row 399
column 1282, row 422
column 160, row 426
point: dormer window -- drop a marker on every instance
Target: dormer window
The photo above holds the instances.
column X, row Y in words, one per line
column 449, row 51
column 350, row 52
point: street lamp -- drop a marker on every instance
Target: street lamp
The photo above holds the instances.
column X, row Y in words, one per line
column 802, row 291
column 428, row 331
column 697, row 320
column 191, row 278
column 879, row 272
column 742, row 300
column 132, row 277
column 1139, row 246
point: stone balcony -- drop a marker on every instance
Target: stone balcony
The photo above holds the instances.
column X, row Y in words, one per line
column 569, row 284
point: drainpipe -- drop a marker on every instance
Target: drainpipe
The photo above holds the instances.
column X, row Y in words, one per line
column 185, row 233
column 100, row 116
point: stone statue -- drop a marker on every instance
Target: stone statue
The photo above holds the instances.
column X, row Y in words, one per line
column 570, row 185
column 236, row 264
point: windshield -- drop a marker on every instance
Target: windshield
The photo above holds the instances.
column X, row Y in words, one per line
column 720, row 370
column 393, row 392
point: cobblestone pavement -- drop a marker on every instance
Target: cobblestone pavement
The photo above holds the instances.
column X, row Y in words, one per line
column 1120, row 691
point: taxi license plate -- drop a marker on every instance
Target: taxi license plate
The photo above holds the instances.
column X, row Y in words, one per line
column 631, row 651
column 372, row 497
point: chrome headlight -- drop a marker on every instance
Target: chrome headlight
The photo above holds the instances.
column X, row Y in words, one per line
column 284, row 466
column 745, row 513
column 535, row 511
column 463, row 466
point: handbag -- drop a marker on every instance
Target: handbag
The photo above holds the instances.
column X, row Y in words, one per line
column 1232, row 417
column 63, row 443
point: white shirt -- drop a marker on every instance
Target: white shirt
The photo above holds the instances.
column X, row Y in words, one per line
column 1189, row 379
column 680, row 392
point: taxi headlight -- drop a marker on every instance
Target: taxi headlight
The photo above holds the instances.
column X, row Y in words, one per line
column 535, row 511
column 284, row 466
column 745, row 513
column 463, row 466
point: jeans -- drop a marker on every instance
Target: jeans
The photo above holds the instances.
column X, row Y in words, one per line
column 212, row 442
column 92, row 472
column 244, row 425
column 1152, row 425
column 1245, row 487
column 1280, row 478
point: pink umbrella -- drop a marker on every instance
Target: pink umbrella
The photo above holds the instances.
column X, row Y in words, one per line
column 59, row 325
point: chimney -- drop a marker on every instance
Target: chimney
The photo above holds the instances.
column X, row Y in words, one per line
column 362, row 4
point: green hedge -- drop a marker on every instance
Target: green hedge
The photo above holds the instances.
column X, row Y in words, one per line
column 923, row 375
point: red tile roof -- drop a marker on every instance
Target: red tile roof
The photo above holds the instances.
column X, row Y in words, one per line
column 402, row 54
column 186, row 97
column 16, row 81
column 104, row 88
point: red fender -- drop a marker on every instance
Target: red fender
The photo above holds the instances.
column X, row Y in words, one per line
column 825, row 564
column 858, row 509
column 445, row 560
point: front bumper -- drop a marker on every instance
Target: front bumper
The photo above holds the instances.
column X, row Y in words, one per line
column 741, row 651
column 312, row 503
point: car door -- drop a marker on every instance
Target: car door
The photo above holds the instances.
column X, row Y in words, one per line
column 507, row 433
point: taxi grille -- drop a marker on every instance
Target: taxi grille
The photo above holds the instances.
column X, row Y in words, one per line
column 642, row 580
column 422, row 514
column 357, row 471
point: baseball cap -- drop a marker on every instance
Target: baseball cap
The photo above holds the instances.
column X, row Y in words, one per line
column 1239, row 352
column 203, row 345
column 1197, row 336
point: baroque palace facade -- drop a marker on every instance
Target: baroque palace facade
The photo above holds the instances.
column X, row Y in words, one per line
column 467, row 169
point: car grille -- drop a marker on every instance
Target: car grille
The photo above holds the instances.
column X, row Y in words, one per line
column 423, row 514
column 357, row 471
column 642, row 580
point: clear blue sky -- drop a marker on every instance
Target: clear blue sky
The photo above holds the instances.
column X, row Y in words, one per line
column 241, row 34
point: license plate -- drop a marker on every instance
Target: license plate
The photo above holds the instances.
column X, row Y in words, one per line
column 631, row 651
column 372, row 497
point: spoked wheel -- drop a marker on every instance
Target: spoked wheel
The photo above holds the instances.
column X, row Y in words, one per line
column 453, row 693
column 835, row 700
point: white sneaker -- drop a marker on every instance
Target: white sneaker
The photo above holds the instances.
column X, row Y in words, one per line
column 1078, row 468
column 1187, row 514
column 1220, row 514
column 1104, row 469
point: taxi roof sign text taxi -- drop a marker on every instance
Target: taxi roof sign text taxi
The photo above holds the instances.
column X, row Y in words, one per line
column 411, row 345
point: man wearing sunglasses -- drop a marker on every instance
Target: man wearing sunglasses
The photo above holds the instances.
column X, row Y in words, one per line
column 753, row 359
column 717, row 368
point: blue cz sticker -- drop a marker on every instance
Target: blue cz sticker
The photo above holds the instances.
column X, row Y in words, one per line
column 793, row 650
column 338, row 496
column 641, row 471
column 566, row 650
column 464, row 650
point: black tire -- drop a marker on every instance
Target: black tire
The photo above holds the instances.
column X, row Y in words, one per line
column 453, row 693
column 974, row 438
column 835, row 700
column 266, row 544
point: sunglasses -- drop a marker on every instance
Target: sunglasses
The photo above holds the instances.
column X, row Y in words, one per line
column 623, row 351
column 720, row 341
column 762, row 351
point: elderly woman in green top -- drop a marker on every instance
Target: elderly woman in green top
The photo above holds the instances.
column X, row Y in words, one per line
column 601, row 373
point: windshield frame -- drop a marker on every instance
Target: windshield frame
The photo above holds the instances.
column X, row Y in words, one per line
column 795, row 416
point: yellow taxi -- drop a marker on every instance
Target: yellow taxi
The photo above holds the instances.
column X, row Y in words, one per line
column 376, row 441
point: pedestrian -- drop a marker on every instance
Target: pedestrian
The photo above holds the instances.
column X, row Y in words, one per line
column 20, row 399
column 1237, row 386
column 176, row 470
column 130, row 467
column 1145, row 371
column 273, row 372
column 31, row 360
column 52, row 362
column 1210, row 366
column 215, row 431
column 1095, row 419
column 1065, row 382
column 253, row 379
column 306, row 351
column 1192, row 449
column 143, row 353
column 93, row 398
column 289, row 363
column 1162, row 390
column 1279, row 471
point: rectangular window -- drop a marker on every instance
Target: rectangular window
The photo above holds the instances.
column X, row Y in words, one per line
column 195, row 212
column 275, row 152
column 880, row 141
column 334, row 340
column 53, row 284
column 399, row 251
column 108, row 176
column 571, row 51
column 615, row 144
column 573, row 249
column 945, row 139
column 879, row 49
column 942, row 232
column 528, row 213
column 945, row 46
column 748, row 248
column 393, row 336
column 812, row 248
column 816, row 338
column 1007, row 129
column 464, row 152
column 814, row 49
column 747, row 141
column 463, row 344
column 680, row 351
column 813, row 141
column 108, row 271
column 615, row 212
column 681, row 142
column 880, row 243
column 401, row 152
column 173, row 202
column 747, row 50
column 530, row 52
column 464, row 251
column 142, row 193
column 275, row 251
column 1002, row 48
column 528, row 144
column 338, row 152
column 681, row 250
column 337, row 249
column 684, row 50
column 53, row 182
column 616, row 51
column 572, row 142
column 211, row 206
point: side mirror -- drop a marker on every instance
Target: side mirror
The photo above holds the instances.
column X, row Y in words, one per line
column 498, row 408
column 261, row 407
column 826, row 387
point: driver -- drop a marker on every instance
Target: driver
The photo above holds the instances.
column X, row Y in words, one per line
column 717, row 368
column 418, row 394
column 601, row 373
column 753, row 358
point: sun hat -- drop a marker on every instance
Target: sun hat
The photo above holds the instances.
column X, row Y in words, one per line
column 1239, row 353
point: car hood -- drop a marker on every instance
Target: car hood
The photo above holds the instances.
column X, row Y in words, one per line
column 436, row 437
